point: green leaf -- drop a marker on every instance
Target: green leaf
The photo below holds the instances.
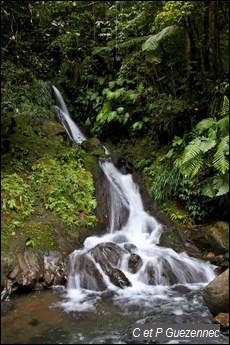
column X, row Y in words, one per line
column 220, row 161
column 207, row 144
column 223, row 190
column 153, row 42
column 112, row 115
column 205, row 124
column 177, row 141
column 120, row 110
column 101, row 80
column 12, row 204
column 207, row 188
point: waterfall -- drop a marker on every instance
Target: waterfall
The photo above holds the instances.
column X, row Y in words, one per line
column 74, row 133
column 128, row 260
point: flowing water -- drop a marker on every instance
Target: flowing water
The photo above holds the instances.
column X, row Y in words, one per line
column 116, row 280
column 73, row 131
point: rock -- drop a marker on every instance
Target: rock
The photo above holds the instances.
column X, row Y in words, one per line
column 223, row 320
column 216, row 294
column 94, row 146
column 89, row 275
column 134, row 263
column 213, row 238
column 108, row 256
column 29, row 270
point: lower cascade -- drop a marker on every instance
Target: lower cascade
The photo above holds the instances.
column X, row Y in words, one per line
column 127, row 262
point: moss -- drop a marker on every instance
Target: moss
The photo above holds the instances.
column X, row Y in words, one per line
column 41, row 235
column 25, row 146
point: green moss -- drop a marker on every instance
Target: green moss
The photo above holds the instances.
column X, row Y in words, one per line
column 26, row 146
column 39, row 235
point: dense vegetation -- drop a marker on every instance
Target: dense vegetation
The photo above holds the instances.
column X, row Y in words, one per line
column 131, row 72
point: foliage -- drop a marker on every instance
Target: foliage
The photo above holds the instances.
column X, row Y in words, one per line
column 17, row 196
column 153, row 69
column 66, row 188
column 212, row 137
column 194, row 177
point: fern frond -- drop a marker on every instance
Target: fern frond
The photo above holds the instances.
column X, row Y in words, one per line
column 205, row 124
column 220, row 161
column 191, row 167
column 192, row 150
column 225, row 107
column 223, row 124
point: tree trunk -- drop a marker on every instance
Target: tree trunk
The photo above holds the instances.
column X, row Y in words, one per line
column 214, row 40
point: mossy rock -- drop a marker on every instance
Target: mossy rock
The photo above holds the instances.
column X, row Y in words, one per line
column 27, row 144
column 94, row 146
column 212, row 238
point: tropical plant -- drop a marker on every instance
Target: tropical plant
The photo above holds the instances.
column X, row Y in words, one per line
column 16, row 196
column 213, row 139
column 66, row 188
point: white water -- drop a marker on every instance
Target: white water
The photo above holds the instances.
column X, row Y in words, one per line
column 151, row 284
column 165, row 281
column 74, row 133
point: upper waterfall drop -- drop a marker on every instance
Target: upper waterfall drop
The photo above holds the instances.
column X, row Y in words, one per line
column 73, row 131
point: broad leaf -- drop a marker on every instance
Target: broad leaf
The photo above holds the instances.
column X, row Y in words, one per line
column 153, row 42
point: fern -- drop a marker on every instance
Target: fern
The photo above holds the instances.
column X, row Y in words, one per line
column 191, row 167
column 192, row 150
column 220, row 162
column 223, row 124
column 225, row 107
column 205, row 124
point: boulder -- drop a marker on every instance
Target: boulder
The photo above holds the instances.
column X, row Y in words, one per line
column 212, row 238
column 223, row 320
column 216, row 294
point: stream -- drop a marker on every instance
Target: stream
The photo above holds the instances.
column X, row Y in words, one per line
column 115, row 280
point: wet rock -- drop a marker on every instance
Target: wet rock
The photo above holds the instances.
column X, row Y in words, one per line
column 130, row 247
column 223, row 320
column 123, row 165
column 117, row 277
column 89, row 275
column 109, row 256
column 216, row 294
column 107, row 252
column 28, row 270
column 134, row 263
